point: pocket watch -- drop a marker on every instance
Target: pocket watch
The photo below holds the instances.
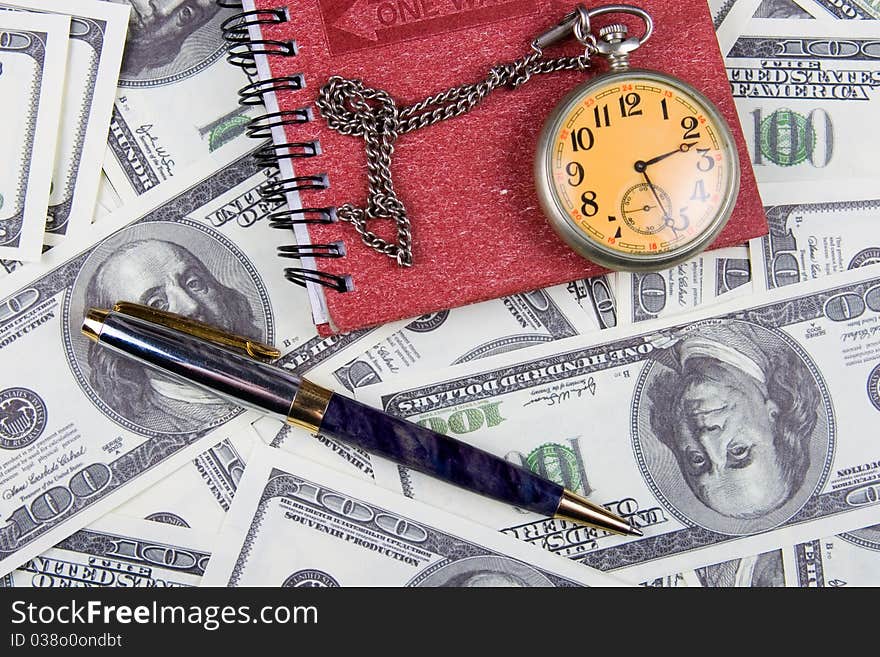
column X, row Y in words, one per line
column 635, row 169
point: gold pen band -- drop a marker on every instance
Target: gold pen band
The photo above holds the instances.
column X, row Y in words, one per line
column 308, row 406
column 93, row 323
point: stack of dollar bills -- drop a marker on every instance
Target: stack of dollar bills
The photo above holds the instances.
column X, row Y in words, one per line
column 724, row 406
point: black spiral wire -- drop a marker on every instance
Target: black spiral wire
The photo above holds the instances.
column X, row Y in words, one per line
column 242, row 52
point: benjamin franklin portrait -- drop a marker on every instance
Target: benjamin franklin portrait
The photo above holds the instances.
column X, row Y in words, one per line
column 171, row 267
column 166, row 38
column 485, row 571
column 742, row 417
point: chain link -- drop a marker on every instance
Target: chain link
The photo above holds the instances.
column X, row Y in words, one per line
column 352, row 108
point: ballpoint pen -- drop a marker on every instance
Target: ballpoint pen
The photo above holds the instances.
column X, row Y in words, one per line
column 233, row 367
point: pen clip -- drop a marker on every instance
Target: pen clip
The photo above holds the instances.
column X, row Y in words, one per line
column 198, row 329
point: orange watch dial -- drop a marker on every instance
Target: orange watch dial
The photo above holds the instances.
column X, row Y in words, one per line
column 641, row 166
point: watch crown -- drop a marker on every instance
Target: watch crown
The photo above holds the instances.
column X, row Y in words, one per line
column 614, row 32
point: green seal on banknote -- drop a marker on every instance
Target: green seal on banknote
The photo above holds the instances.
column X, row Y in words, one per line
column 227, row 131
column 557, row 463
column 787, row 138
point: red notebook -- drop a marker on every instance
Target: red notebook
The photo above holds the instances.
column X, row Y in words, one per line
column 467, row 183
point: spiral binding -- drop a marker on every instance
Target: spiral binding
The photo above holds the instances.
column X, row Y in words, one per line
column 242, row 52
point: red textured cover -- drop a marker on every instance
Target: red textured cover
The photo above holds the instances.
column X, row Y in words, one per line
column 467, row 183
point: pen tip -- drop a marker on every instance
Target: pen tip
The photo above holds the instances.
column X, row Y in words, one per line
column 579, row 509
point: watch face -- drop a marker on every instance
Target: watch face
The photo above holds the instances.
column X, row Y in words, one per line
column 639, row 170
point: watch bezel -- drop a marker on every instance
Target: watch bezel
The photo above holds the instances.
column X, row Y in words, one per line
column 574, row 236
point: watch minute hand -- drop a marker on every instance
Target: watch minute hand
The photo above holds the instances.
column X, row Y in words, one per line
column 641, row 165
column 656, row 195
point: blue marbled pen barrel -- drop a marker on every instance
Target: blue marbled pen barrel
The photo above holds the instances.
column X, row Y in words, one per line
column 440, row 456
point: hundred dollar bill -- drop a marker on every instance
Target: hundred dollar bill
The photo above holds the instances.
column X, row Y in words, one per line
column 82, row 430
column 116, row 551
column 849, row 559
column 731, row 434
column 806, row 92
column 759, row 571
column 108, row 200
column 815, row 9
column 8, row 266
column 596, row 296
column 721, row 9
column 94, row 55
column 332, row 453
column 730, row 17
column 729, row 274
column 197, row 495
column 781, row 9
column 839, row 9
column 645, row 296
column 816, row 237
column 465, row 334
column 33, row 51
column 295, row 523
column 177, row 98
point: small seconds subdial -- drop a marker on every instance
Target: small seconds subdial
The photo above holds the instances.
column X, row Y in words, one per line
column 646, row 211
